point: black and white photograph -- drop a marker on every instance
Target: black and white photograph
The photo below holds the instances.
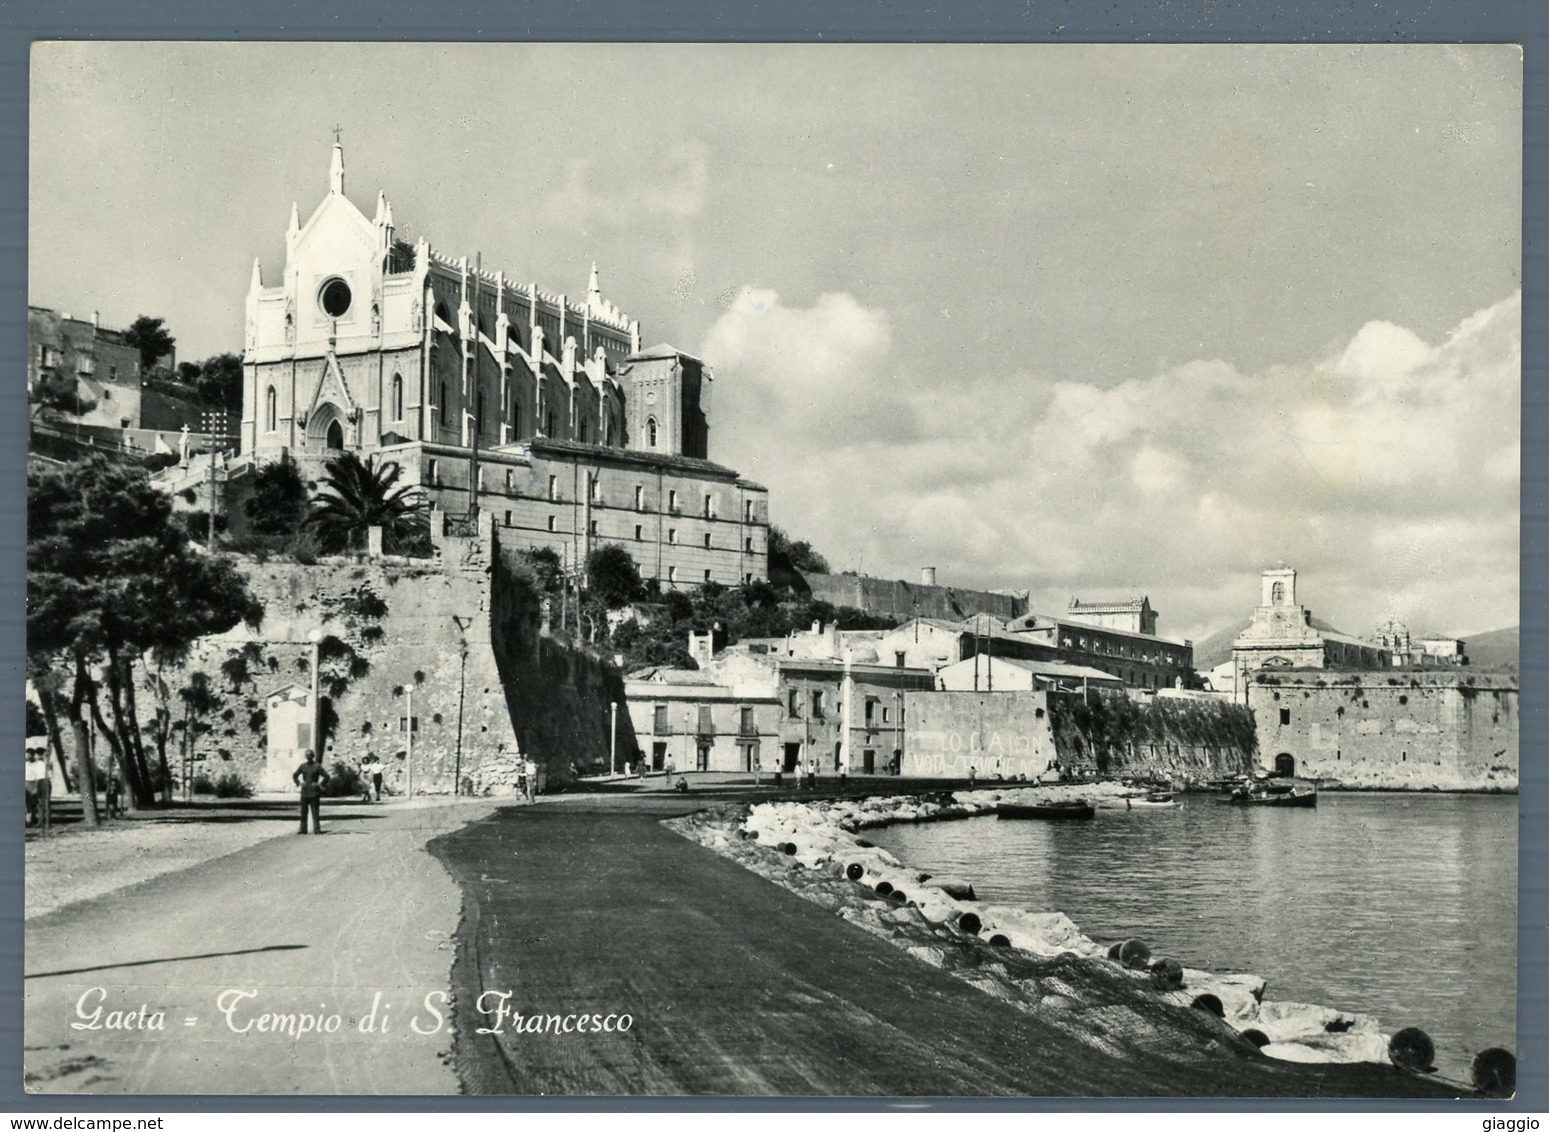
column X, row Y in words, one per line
column 773, row 570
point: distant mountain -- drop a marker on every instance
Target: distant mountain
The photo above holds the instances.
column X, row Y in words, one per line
column 1498, row 649
column 1486, row 650
column 1217, row 648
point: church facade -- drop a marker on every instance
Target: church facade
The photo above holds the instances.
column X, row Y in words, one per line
column 1282, row 635
column 492, row 393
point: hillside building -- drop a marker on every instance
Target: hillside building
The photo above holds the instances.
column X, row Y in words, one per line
column 494, row 393
column 1134, row 615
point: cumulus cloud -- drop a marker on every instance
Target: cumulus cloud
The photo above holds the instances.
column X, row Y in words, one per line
column 1387, row 472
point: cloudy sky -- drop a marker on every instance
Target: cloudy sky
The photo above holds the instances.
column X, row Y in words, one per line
column 1086, row 320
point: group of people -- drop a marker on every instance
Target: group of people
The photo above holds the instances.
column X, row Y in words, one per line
column 312, row 778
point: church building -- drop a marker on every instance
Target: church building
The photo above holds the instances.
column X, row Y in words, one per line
column 1284, row 634
column 492, row 393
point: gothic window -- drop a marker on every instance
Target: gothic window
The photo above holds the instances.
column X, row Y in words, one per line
column 441, row 398
column 650, row 432
column 271, row 412
column 1277, row 592
column 478, row 421
column 397, row 397
column 581, row 431
column 334, row 438
column 549, row 426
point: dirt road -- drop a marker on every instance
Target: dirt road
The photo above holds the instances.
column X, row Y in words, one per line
column 305, row 927
column 734, row 985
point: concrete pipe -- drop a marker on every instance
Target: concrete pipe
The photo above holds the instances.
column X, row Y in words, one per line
column 998, row 940
column 1210, row 1004
column 864, row 844
column 854, row 871
column 1167, row 974
column 899, row 895
column 884, row 887
column 1134, row 954
column 1258, row 1037
column 1495, row 1072
column 1412, row 1049
column 788, row 848
column 969, row 922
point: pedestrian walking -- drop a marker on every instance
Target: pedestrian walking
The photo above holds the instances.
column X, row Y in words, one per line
column 521, row 780
column 310, row 776
column 39, row 790
column 812, row 774
column 374, row 769
column 532, row 779
column 669, row 770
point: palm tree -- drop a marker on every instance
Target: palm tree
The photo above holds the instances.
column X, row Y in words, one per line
column 358, row 494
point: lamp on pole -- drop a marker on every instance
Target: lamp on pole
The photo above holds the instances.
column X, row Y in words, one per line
column 613, row 740
column 408, row 758
column 316, row 637
column 462, row 681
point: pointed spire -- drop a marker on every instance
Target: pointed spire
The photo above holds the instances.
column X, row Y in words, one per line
column 336, row 170
column 295, row 220
column 388, row 219
column 593, row 291
column 257, row 281
column 381, row 206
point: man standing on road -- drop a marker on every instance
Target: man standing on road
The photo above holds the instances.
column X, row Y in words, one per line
column 531, row 769
column 310, row 776
column 40, row 789
column 669, row 770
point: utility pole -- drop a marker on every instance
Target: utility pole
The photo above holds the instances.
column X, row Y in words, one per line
column 408, row 725
column 316, row 637
column 613, row 741
column 462, row 683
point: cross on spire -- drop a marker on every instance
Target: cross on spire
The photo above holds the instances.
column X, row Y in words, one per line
column 337, row 130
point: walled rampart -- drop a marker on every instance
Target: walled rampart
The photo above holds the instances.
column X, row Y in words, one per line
column 1175, row 738
column 457, row 641
column 1403, row 730
column 903, row 600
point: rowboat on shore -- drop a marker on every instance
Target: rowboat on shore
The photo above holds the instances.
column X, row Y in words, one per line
column 1049, row 811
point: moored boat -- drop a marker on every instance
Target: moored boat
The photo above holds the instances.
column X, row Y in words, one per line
column 1156, row 801
column 1300, row 797
column 1049, row 811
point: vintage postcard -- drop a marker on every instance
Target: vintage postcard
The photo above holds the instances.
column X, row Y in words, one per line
column 774, row 570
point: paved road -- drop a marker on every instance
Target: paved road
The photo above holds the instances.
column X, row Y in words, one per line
column 737, row 986
column 313, row 924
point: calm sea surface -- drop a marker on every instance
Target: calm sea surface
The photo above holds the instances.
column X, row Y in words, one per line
column 1399, row 906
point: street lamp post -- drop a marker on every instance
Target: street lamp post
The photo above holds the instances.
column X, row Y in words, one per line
column 613, row 740
column 408, row 757
column 316, row 637
column 462, row 683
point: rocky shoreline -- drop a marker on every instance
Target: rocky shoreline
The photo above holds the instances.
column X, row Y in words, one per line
column 1037, row 960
